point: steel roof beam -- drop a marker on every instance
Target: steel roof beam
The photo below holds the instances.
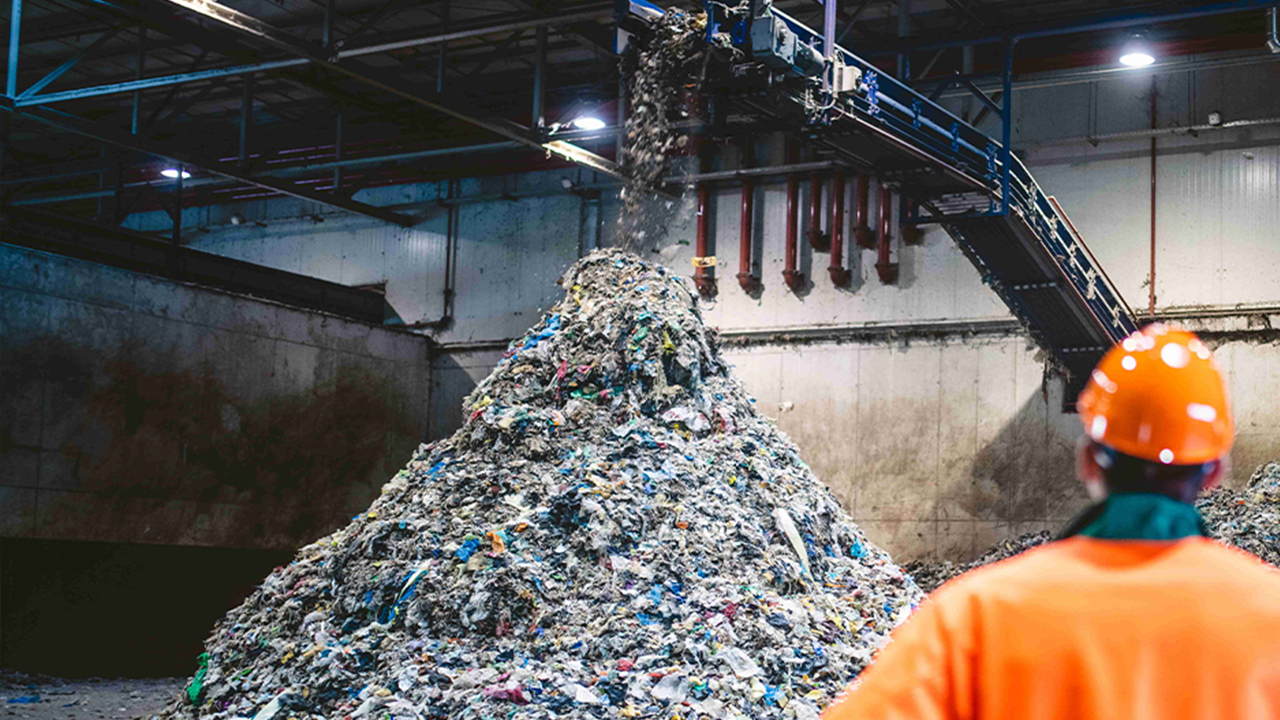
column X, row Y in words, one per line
column 252, row 27
column 179, row 78
column 586, row 42
column 222, row 42
column 488, row 28
column 156, row 82
column 110, row 136
column 62, row 69
column 1111, row 21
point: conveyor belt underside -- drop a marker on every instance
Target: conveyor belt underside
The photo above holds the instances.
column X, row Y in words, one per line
column 1032, row 282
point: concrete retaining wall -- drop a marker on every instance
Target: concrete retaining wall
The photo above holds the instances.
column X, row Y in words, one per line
column 136, row 409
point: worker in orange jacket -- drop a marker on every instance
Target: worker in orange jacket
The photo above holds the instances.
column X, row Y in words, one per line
column 1133, row 613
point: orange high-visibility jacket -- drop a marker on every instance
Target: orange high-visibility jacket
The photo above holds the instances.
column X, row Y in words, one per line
column 1086, row 629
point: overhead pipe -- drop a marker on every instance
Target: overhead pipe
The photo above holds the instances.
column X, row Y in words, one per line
column 746, row 280
column 282, row 168
column 704, row 268
column 887, row 270
column 862, row 214
column 817, row 239
column 840, row 276
column 1151, row 279
column 1154, row 132
column 451, row 235
column 790, row 167
column 893, row 46
column 908, row 232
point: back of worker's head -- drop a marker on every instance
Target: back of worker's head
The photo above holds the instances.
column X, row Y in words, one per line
column 1156, row 416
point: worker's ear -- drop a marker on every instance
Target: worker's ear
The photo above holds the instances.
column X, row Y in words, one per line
column 1087, row 470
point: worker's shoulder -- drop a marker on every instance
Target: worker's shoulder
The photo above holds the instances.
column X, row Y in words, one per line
column 1224, row 559
column 1023, row 565
column 1079, row 558
column 1022, row 570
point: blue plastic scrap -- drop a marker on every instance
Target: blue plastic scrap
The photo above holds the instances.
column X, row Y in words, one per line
column 468, row 549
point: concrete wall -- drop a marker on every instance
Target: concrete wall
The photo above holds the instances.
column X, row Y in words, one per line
column 953, row 443
column 943, row 448
column 136, row 409
column 935, row 448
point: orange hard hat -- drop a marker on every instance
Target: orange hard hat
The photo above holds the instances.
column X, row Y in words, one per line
column 1159, row 395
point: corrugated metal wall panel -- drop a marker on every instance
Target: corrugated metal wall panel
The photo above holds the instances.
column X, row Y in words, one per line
column 1250, row 219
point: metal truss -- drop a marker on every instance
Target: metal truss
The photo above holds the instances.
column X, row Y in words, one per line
column 180, row 156
column 228, row 39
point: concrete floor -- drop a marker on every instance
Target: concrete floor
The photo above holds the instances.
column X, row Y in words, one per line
column 85, row 699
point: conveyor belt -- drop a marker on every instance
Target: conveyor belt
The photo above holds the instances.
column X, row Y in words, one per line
column 984, row 197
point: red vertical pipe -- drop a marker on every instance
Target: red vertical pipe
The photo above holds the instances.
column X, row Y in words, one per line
column 791, row 275
column 817, row 240
column 861, row 221
column 839, row 276
column 1151, row 291
column 908, row 234
column 703, row 275
column 746, row 280
column 887, row 270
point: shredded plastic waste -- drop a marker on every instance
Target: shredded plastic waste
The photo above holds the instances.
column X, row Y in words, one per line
column 614, row 532
column 931, row 575
column 1248, row 518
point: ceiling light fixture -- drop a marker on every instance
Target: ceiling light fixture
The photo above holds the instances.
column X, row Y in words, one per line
column 173, row 173
column 588, row 122
column 1137, row 52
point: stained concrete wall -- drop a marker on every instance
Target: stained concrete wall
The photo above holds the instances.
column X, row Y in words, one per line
column 942, row 448
column 935, row 448
column 140, row 410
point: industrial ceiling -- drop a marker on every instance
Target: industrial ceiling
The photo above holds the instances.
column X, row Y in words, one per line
column 321, row 98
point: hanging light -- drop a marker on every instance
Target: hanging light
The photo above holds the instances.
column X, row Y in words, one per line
column 1137, row 52
column 173, row 173
column 588, row 122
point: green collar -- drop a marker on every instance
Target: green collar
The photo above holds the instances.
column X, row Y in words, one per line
column 1139, row 516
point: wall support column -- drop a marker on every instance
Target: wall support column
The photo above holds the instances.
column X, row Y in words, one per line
column 15, row 33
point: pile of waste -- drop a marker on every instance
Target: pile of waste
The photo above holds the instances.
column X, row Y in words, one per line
column 1248, row 519
column 614, row 532
column 932, row 575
